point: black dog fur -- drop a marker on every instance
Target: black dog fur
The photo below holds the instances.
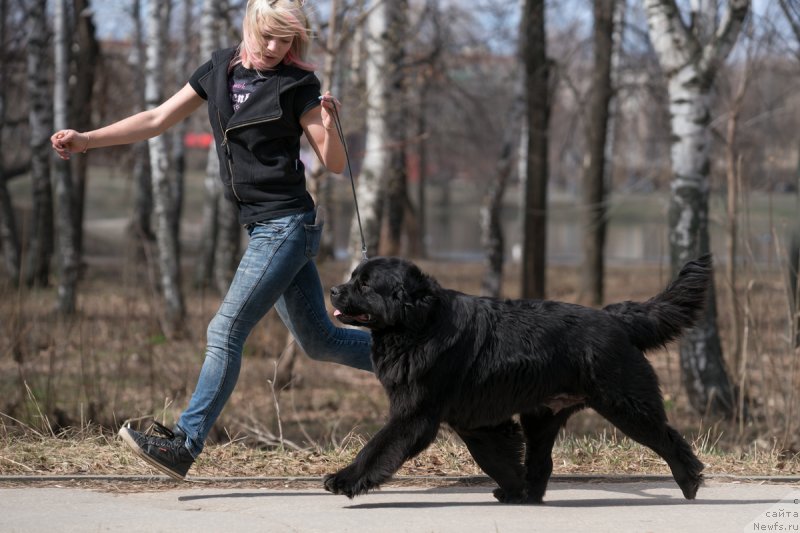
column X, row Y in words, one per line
column 474, row 363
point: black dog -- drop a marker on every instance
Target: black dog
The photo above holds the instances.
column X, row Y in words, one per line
column 474, row 363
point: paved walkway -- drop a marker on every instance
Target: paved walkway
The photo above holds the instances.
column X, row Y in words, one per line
column 641, row 506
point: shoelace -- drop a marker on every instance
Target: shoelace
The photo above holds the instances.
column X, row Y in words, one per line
column 163, row 430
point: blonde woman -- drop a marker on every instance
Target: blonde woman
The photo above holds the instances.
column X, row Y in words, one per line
column 262, row 97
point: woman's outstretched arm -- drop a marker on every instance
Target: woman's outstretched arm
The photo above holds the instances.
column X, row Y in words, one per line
column 132, row 129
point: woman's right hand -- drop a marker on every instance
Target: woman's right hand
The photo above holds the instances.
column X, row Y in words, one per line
column 66, row 142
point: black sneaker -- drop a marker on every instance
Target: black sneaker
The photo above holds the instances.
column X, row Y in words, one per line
column 167, row 452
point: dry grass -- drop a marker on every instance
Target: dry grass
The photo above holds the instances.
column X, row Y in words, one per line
column 65, row 387
column 93, row 452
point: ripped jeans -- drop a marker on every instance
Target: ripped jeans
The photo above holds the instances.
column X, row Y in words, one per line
column 277, row 269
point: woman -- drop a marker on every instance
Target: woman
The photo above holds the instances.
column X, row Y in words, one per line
column 261, row 98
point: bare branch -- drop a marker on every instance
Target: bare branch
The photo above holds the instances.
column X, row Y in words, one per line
column 792, row 10
column 725, row 39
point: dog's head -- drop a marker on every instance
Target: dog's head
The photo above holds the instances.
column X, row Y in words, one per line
column 385, row 293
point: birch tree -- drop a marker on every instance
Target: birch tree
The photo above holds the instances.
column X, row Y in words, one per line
column 690, row 54
column 40, row 119
column 220, row 227
column 372, row 179
column 158, row 14
column 67, row 250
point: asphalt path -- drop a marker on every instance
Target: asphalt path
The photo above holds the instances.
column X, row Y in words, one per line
column 574, row 506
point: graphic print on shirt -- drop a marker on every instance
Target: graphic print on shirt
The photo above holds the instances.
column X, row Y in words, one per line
column 242, row 83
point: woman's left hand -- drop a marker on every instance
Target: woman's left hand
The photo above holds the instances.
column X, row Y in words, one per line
column 330, row 105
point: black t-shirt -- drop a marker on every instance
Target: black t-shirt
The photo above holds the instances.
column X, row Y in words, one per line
column 243, row 81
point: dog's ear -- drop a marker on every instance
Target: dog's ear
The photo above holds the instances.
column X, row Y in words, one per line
column 401, row 295
column 416, row 285
column 417, row 294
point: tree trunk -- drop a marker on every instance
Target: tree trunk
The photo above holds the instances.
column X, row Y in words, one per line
column 229, row 231
column 702, row 365
column 794, row 274
column 229, row 234
column 221, row 230
column 733, row 180
column 690, row 57
column 790, row 9
column 140, row 225
column 420, row 248
column 9, row 238
column 534, row 246
column 67, row 237
column 40, row 118
column 491, row 226
column 86, row 59
column 397, row 112
column 319, row 177
column 204, row 273
column 179, row 131
column 168, row 260
column 208, row 243
column 594, row 172
column 372, row 180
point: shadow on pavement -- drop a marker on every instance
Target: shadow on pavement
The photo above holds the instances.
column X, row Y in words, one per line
column 272, row 494
column 639, row 497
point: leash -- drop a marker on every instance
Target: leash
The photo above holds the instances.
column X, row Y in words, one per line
column 340, row 131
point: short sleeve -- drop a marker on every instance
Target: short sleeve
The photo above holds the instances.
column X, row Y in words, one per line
column 306, row 98
column 194, row 79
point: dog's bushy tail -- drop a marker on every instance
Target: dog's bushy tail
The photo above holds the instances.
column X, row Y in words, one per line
column 661, row 319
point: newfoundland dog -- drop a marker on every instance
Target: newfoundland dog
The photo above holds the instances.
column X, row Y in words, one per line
column 477, row 363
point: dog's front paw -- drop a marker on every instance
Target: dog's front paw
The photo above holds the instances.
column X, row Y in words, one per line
column 346, row 482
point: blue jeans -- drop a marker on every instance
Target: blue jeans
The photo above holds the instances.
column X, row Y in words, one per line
column 276, row 269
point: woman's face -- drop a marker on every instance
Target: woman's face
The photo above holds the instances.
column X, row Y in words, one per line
column 275, row 48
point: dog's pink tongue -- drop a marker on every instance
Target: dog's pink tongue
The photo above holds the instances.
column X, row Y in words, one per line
column 336, row 312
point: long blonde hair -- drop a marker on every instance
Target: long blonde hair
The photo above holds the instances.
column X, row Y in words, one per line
column 276, row 18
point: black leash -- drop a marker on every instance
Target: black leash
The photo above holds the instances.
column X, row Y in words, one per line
column 339, row 130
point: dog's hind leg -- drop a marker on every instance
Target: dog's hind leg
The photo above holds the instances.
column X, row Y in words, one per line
column 640, row 415
column 498, row 450
column 541, row 429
